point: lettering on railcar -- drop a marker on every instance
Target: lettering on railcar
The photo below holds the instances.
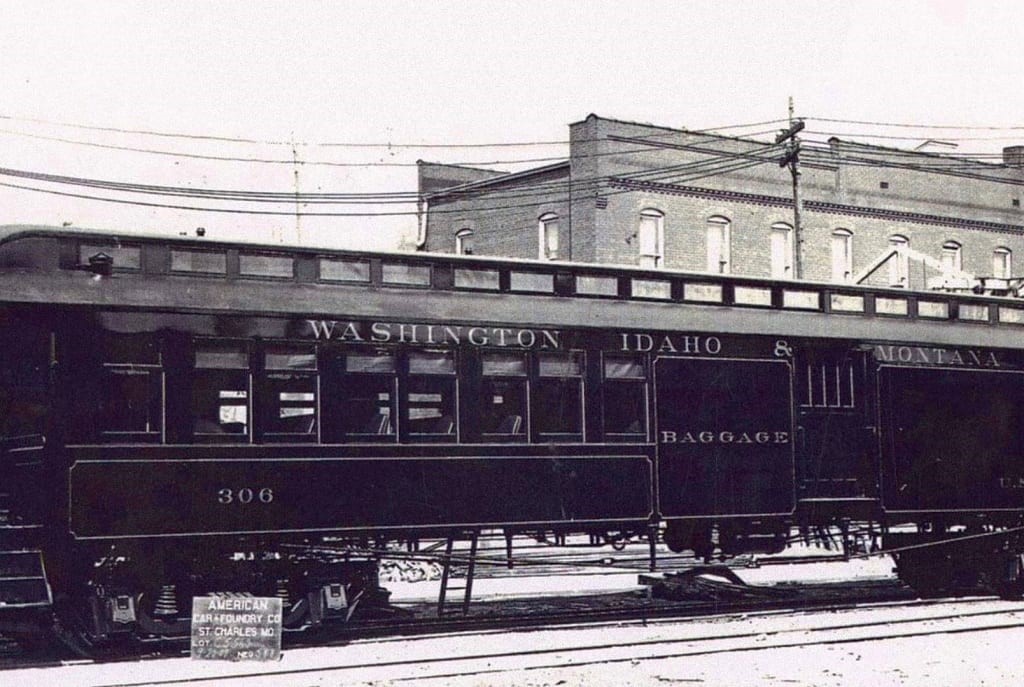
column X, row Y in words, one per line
column 926, row 355
column 236, row 628
column 726, row 437
column 646, row 343
column 435, row 335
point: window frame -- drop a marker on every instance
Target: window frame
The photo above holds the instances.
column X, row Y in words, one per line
column 718, row 234
column 899, row 264
column 953, row 256
column 338, row 388
column 1002, row 255
column 523, row 378
column 781, row 250
column 241, row 345
column 842, row 256
column 264, row 387
column 652, row 221
column 464, row 241
column 546, row 224
column 537, row 436
column 406, row 379
column 607, row 383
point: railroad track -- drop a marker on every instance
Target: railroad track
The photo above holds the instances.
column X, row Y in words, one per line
column 453, row 656
column 510, row 615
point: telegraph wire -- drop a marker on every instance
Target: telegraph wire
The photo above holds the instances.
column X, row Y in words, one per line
column 737, row 166
column 333, row 144
column 839, row 134
column 301, row 162
column 704, row 171
column 356, row 198
column 957, row 127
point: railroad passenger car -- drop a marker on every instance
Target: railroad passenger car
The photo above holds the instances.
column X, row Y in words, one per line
column 182, row 416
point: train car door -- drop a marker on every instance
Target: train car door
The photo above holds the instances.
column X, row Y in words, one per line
column 951, row 438
column 836, row 454
column 724, row 437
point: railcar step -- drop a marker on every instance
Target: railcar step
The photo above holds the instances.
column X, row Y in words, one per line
column 23, row 580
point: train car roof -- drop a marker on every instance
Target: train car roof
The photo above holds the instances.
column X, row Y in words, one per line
column 50, row 266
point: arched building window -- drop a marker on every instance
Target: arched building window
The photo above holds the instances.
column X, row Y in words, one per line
column 1002, row 263
column 718, row 239
column 782, row 251
column 651, row 239
column 899, row 264
column 842, row 255
column 464, row 242
column 547, row 237
column 952, row 257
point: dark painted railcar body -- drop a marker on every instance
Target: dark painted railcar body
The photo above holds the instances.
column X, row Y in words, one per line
column 175, row 411
column 725, row 437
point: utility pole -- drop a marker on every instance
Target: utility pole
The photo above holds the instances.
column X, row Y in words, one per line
column 298, row 206
column 792, row 160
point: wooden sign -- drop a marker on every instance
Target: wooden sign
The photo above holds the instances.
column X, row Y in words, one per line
column 236, row 628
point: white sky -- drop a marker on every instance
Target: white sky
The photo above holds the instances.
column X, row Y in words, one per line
column 453, row 72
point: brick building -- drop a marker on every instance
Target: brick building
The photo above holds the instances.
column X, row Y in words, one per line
column 649, row 196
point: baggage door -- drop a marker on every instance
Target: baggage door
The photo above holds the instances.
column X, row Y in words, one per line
column 724, row 437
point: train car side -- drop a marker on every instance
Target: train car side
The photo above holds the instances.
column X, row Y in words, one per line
column 184, row 417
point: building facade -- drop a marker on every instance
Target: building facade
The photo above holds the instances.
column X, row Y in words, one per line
column 659, row 198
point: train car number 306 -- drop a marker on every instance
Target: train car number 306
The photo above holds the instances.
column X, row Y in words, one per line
column 245, row 495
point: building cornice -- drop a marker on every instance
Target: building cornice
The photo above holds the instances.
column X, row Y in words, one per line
column 814, row 206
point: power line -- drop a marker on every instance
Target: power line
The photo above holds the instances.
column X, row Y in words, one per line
column 334, row 144
column 917, row 126
column 339, row 198
column 839, row 134
column 736, row 167
column 292, row 160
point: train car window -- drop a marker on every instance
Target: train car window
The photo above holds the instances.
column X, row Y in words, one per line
column 288, row 394
column 408, row 275
column 477, row 279
column 344, row 270
column 532, row 282
column 359, row 401
column 624, row 398
column 558, row 397
column 125, row 257
column 597, row 286
column 276, row 266
column 430, row 397
column 221, row 384
column 24, row 365
column 503, row 405
column 131, row 392
column 201, row 261
column 825, row 383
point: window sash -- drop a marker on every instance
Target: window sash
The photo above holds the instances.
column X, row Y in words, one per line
column 718, row 247
column 842, row 257
column 782, row 252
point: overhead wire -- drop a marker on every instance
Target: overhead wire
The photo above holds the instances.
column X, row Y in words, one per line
column 718, row 162
column 314, row 198
column 235, row 139
column 304, row 213
column 959, row 127
column 296, row 161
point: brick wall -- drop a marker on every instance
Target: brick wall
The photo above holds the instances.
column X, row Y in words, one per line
column 503, row 215
column 619, row 169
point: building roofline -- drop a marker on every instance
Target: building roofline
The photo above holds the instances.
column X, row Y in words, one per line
column 510, row 176
column 496, row 172
column 909, row 152
column 864, row 146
